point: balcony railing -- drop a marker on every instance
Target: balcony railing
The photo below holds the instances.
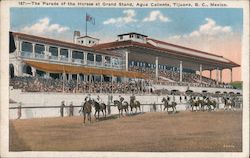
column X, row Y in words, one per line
column 65, row 59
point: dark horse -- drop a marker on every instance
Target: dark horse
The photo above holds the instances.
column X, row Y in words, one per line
column 121, row 106
column 193, row 104
column 99, row 107
column 229, row 103
column 86, row 109
column 167, row 105
column 211, row 103
column 134, row 104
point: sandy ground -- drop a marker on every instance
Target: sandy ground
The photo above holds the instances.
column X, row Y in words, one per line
column 159, row 131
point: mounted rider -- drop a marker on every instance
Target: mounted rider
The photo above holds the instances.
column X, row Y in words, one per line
column 132, row 98
column 121, row 98
column 88, row 97
column 99, row 100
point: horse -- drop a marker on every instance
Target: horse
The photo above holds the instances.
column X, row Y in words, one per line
column 86, row 109
column 193, row 104
column 211, row 103
column 99, row 107
column 134, row 104
column 167, row 105
column 229, row 103
column 121, row 106
column 202, row 104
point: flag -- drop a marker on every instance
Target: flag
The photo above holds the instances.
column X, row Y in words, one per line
column 90, row 19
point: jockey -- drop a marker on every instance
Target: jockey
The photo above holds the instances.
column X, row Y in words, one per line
column 88, row 97
column 132, row 98
column 121, row 98
column 99, row 100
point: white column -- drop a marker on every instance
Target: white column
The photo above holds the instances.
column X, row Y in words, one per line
column 180, row 71
column 231, row 75
column 221, row 75
column 20, row 68
column 33, row 50
column 59, row 56
column 103, row 57
column 126, row 60
column 19, row 47
column 33, row 71
column 217, row 75
column 94, row 59
column 85, row 58
column 70, row 55
column 200, row 73
column 156, row 68
column 70, row 76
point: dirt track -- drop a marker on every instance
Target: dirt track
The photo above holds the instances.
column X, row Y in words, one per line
column 184, row 131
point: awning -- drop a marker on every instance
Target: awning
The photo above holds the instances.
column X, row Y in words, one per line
column 77, row 69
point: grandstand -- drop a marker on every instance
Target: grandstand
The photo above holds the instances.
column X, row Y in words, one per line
column 132, row 63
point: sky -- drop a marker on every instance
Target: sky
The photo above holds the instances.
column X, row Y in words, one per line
column 215, row 30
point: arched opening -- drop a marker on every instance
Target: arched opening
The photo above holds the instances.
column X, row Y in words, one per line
column 11, row 70
column 27, row 69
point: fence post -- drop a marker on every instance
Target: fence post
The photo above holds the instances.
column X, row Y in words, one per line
column 19, row 111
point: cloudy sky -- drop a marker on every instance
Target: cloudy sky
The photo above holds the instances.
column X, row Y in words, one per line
column 218, row 31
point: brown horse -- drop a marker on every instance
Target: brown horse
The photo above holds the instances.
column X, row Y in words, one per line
column 99, row 107
column 229, row 103
column 135, row 104
column 211, row 103
column 86, row 110
column 167, row 105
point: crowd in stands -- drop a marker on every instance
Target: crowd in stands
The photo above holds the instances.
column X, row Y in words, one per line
column 39, row 84
column 166, row 77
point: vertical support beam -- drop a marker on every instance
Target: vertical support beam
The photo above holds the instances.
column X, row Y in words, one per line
column 221, row 75
column 94, row 59
column 180, row 71
column 103, row 57
column 231, row 75
column 33, row 71
column 156, row 68
column 19, row 47
column 33, row 50
column 200, row 73
column 85, row 58
column 59, row 56
column 126, row 60
column 77, row 81
column 70, row 76
column 70, row 55
column 217, row 75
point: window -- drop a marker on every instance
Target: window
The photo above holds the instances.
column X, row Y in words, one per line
column 53, row 51
column 64, row 52
column 90, row 57
column 77, row 55
column 39, row 48
column 26, row 46
column 98, row 58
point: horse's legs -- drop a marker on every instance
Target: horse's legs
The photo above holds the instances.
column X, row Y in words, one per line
column 84, row 117
column 95, row 113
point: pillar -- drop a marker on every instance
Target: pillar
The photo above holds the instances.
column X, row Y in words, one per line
column 85, row 58
column 20, row 69
column 180, row 71
column 156, row 68
column 221, row 75
column 70, row 76
column 33, row 71
column 33, row 50
column 94, row 59
column 59, row 56
column 231, row 75
column 126, row 60
column 70, row 56
column 103, row 57
column 217, row 75
column 200, row 73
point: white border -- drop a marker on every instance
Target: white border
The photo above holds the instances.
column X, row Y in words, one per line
column 4, row 62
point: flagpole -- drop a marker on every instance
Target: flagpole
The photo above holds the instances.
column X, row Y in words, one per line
column 86, row 25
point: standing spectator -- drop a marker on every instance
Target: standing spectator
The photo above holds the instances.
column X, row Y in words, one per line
column 71, row 109
column 180, row 98
column 62, row 108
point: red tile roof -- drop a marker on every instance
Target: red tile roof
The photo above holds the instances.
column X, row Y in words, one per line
column 62, row 43
column 130, row 43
